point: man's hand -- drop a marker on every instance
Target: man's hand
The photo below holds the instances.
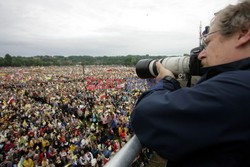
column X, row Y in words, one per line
column 163, row 71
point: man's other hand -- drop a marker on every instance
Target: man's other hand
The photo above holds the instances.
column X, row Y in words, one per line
column 163, row 71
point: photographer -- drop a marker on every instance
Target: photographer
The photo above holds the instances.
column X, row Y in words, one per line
column 208, row 124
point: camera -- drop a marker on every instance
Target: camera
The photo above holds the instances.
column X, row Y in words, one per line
column 190, row 65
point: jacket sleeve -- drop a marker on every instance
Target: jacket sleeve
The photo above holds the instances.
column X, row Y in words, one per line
column 175, row 123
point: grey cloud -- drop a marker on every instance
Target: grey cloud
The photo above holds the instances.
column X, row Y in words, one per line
column 133, row 42
column 99, row 27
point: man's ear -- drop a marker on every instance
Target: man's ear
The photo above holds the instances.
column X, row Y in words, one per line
column 243, row 37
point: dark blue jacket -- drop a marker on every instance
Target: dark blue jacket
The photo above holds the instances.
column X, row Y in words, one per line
column 207, row 125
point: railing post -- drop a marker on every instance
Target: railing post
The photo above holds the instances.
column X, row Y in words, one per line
column 127, row 154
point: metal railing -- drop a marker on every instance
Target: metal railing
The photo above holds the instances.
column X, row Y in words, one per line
column 127, row 154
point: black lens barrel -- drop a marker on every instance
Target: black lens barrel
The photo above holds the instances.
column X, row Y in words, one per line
column 142, row 68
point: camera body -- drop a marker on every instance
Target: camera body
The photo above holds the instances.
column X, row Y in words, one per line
column 179, row 65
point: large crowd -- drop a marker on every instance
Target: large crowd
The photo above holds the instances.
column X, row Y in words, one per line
column 65, row 116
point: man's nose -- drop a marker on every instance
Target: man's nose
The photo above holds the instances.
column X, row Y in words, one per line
column 202, row 54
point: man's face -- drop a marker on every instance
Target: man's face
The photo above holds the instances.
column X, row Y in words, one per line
column 218, row 49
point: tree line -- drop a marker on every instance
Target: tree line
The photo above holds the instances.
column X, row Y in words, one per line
column 18, row 61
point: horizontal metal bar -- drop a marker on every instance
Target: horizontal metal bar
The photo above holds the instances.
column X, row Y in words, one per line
column 127, row 154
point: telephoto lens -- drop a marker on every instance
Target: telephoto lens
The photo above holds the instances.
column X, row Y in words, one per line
column 146, row 68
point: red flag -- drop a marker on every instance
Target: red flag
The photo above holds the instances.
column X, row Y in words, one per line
column 102, row 96
column 91, row 87
column 11, row 100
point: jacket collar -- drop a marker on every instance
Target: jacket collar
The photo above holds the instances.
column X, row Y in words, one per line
column 210, row 72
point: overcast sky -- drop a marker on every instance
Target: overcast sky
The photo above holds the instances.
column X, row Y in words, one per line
column 103, row 27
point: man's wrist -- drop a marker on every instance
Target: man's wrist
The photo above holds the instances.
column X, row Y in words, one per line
column 172, row 80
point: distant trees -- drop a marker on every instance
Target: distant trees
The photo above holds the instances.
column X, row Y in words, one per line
column 131, row 60
column 8, row 60
column 17, row 61
column 1, row 61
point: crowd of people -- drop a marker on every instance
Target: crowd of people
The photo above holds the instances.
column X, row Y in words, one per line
column 65, row 116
